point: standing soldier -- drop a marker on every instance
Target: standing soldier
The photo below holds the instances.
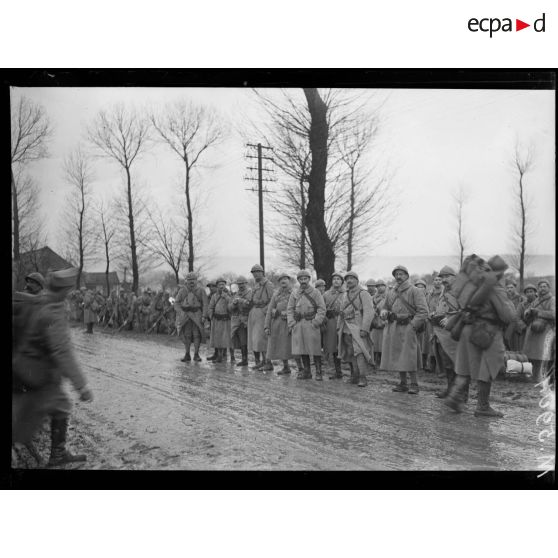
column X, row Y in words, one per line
column 276, row 329
column 512, row 336
column 541, row 330
column 480, row 349
column 90, row 307
column 79, row 299
column 371, row 287
column 530, row 294
column 355, row 319
column 191, row 313
column 218, row 313
column 321, row 286
column 212, row 286
column 432, row 299
column 378, row 324
column 257, row 339
column 239, row 308
column 405, row 310
column 422, row 340
column 44, row 359
column 305, row 314
column 443, row 345
column 332, row 300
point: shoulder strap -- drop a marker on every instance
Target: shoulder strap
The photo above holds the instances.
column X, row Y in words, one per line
column 352, row 301
column 405, row 303
column 312, row 301
column 330, row 306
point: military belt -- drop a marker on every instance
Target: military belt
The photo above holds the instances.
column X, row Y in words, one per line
column 260, row 304
column 221, row 317
column 191, row 308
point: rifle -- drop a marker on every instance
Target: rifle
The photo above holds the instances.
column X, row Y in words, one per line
column 159, row 319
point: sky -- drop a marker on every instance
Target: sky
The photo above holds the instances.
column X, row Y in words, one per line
column 430, row 140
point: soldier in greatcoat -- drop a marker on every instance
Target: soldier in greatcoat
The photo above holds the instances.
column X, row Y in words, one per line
column 239, row 309
column 90, row 307
column 305, row 314
column 218, row 313
column 44, row 358
column 191, row 312
column 541, row 330
column 529, row 297
column 332, row 299
column 257, row 339
column 480, row 349
column 353, row 326
column 378, row 325
column 432, row 299
column 320, row 284
column 405, row 311
column 276, row 328
column 371, row 287
column 422, row 340
column 212, row 286
column 512, row 335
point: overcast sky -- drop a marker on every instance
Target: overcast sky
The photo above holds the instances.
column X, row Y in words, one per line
column 431, row 139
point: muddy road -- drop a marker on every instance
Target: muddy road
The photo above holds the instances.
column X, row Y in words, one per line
column 152, row 411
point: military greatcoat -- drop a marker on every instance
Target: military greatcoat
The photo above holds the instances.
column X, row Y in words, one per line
column 191, row 306
column 305, row 313
column 239, row 312
column 400, row 350
column 261, row 296
column 279, row 342
column 220, row 336
column 378, row 332
column 537, row 346
column 332, row 299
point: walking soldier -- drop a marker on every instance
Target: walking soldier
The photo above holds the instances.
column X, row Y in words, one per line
column 378, row 324
column 191, row 312
column 218, row 313
column 332, row 299
column 305, row 314
column 405, row 310
column 480, row 349
column 541, row 330
column 354, row 322
column 276, row 328
column 257, row 339
column 239, row 308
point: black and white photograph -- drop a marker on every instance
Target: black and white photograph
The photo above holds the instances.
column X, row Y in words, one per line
column 282, row 277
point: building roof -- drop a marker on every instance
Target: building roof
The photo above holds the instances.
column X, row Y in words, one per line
column 43, row 260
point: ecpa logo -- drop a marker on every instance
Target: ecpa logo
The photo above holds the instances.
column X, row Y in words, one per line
column 492, row 25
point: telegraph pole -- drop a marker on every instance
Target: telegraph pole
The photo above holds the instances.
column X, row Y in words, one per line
column 261, row 179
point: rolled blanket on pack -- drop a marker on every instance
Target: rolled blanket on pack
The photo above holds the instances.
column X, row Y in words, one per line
column 519, row 357
column 516, row 367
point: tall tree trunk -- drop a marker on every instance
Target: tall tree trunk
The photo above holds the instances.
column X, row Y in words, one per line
column 80, row 240
column 135, row 271
column 322, row 248
column 190, row 226
column 522, row 250
column 350, row 233
column 107, row 268
column 302, row 226
column 15, row 210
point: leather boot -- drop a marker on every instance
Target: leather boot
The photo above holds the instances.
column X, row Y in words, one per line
column 537, row 367
column 231, row 352
column 300, row 368
column 197, row 357
column 362, row 366
column 450, row 376
column 187, row 357
column 377, row 359
column 338, row 373
column 414, row 387
column 307, row 369
column 354, row 372
column 318, row 365
column 59, row 455
column 244, row 353
column 90, row 327
column 268, row 366
column 456, row 398
column 402, row 385
column 213, row 356
column 483, row 405
column 285, row 370
column 259, row 363
column 219, row 357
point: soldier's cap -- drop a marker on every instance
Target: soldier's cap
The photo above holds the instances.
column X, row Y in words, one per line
column 446, row 270
column 303, row 273
column 220, row 280
column 529, row 286
column 496, row 263
column 543, row 281
column 191, row 275
column 256, row 267
column 285, row 274
column 319, row 283
column 420, row 282
column 380, row 282
column 211, row 284
column 351, row 274
column 371, row 283
column 400, row 268
column 511, row 281
column 337, row 274
column 37, row 277
column 241, row 279
column 63, row 278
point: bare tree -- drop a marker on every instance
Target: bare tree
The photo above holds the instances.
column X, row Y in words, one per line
column 105, row 235
column 79, row 228
column 522, row 226
column 460, row 199
column 189, row 130
column 30, row 130
column 122, row 135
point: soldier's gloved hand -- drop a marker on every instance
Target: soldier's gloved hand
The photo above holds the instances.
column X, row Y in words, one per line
column 534, row 313
column 267, row 331
column 384, row 314
column 85, row 394
column 363, row 333
column 443, row 322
